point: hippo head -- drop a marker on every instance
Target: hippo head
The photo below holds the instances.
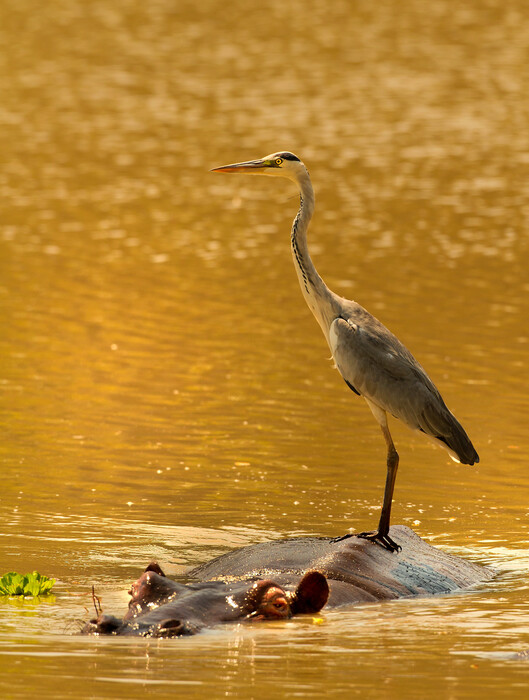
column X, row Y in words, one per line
column 160, row 607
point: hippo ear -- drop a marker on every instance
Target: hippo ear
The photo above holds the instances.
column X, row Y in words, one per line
column 311, row 594
column 154, row 566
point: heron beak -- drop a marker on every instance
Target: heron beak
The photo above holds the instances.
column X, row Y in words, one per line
column 250, row 167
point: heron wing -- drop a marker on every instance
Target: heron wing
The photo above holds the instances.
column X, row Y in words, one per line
column 380, row 368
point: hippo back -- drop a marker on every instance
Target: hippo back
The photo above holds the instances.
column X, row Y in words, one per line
column 357, row 570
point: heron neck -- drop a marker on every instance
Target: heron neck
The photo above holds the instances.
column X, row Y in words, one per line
column 316, row 293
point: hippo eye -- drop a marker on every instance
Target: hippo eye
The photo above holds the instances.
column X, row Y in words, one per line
column 279, row 161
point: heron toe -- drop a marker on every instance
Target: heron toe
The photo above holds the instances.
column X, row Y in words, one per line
column 383, row 540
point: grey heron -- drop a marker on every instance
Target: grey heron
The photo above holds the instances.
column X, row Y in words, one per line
column 372, row 361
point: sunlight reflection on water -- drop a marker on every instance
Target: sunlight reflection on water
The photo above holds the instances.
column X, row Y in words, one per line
column 165, row 391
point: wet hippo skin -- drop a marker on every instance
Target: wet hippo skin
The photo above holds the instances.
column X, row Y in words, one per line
column 278, row 579
column 356, row 569
column 160, row 607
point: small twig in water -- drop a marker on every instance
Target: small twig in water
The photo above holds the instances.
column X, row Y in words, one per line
column 97, row 603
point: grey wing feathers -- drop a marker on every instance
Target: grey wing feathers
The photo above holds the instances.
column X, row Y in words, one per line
column 381, row 368
column 441, row 424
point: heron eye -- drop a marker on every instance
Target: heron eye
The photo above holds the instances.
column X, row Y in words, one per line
column 279, row 161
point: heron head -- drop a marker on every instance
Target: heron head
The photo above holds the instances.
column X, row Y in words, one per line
column 281, row 164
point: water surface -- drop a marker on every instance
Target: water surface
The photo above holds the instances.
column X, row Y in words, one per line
column 166, row 394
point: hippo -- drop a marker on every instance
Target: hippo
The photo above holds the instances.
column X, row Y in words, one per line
column 282, row 578
column 357, row 570
column 160, row 607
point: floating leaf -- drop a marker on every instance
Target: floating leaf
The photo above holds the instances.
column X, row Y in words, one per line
column 33, row 584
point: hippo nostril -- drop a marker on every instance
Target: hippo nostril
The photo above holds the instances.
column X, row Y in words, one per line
column 171, row 628
column 167, row 624
column 106, row 624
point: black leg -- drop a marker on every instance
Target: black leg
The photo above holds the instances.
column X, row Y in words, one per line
column 381, row 536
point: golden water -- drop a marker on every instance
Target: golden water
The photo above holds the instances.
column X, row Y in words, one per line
column 166, row 394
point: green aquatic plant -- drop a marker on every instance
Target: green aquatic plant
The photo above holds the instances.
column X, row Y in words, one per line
column 33, row 584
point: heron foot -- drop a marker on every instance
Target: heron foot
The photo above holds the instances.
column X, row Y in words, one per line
column 383, row 540
column 340, row 539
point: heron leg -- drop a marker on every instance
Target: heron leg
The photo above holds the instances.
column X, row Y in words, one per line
column 381, row 534
column 392, row 465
